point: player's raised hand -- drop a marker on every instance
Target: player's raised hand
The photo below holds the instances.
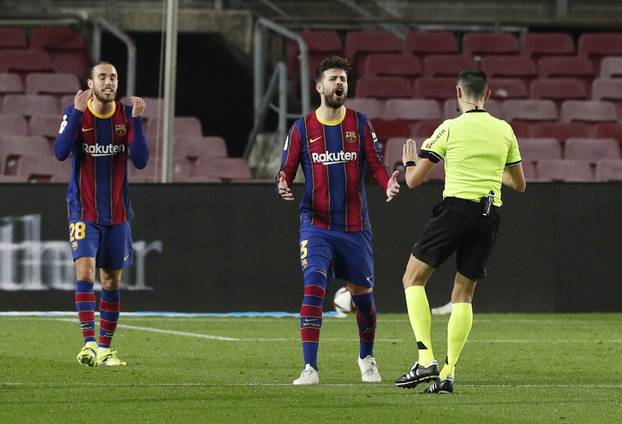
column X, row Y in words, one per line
column 284, row 191
column 81, row 99
column 409, row 152
column 138, row 106
column 393, row 187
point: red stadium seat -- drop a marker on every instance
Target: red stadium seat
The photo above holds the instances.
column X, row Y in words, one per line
column 609, row 130
column 200, row 147
column 446, row 65
column 537, row 149
column 424, row 129
column 609, row 170
column 14, row 148
column 413, row 109
column 529, row 169
column 393, row 153
column 320, row 44
column 25, row 60
column 187, row 126
column 562, row 130
column 11, row 83
column 530, row 110
column 384, row 87
column 558, row 89
column 75, row 62
column 13, row 124
column 564, row 170
column 609, row 89
column 56, row 38
column 424, row 43
column 596, row 45
column 560, row 66
column 492, row 106
column 373, row 108
column 12, row 38
column 386, row 129
column 436, row 88
column 27, row 104
column 508, row 88
column 392, row 65
column 547, row 43
column 509, row 66
column 486, row 43
column 588, row 111
column 45, row 125
column 224, row 168
column 611, row 67
column 522, row 129
column 154, row 106
column 43, row 169
column 52, row 84
column 592, row 149
column 359, row 44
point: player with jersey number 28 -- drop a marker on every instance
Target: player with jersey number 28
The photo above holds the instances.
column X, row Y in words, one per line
column 335, row 147
column 100, row 134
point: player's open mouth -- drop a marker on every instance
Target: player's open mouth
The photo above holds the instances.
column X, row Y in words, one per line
column 339, row 92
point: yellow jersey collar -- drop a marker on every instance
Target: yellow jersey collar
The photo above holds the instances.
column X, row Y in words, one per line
column 99, row 115
column 335, row 122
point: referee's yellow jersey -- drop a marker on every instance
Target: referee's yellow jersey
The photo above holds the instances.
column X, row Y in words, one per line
column 476, row 147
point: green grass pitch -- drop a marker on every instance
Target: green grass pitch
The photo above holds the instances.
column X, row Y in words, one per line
column 515, row 368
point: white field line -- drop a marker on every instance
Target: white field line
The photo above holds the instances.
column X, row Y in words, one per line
column 342, row 340
column 361, row 385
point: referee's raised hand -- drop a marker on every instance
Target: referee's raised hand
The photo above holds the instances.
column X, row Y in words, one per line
column 284, row 191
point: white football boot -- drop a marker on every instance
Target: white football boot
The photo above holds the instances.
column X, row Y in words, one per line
column 309, row 375
column 369, row 370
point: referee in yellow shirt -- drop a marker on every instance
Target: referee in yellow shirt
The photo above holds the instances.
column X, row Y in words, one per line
column 480, row 152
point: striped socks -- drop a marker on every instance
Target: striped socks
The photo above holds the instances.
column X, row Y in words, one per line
column 311, row 322
column 109, row 306
column 85, row 305
column 366, row 320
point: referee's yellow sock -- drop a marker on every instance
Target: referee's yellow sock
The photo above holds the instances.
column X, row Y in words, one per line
column 458, row 329
column 420, row 320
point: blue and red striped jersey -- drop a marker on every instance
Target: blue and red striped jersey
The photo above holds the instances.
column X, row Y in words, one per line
column 100, row 146
column 335, row 156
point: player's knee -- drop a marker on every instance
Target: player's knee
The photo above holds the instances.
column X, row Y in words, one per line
column 356, row 290
column 414, row 277
column 85, row 274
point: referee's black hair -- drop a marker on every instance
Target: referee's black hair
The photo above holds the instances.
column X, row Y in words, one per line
column 473, row 82
column 332, row 62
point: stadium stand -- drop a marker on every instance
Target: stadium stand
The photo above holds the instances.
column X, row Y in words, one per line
column 13, row 124
column 55, row 83
column 564, row 170
column 12, row 38
column 426, row 43
column 10, row 84
column 588, row 111
column 393, row 153
column 611, row 67
column 608, row 130
column 609, row 170
column 359, row 44
column 385, row 87
column 30, row 104
column 486, row 43
column 529, row 110
column 565, row 66
column 494, row 107
column 507, row 88
column 535, row 44
column 558, row 89
column 373, row 108
column 24, row 61
column 596, row 45
column 413, row 109
column 509, row 66
column 319, row 43
column 591, row 149
column 392, row 65
column 446, row 65
column 45, row 125
column 610, row 90
column 561, row 130
column 436, row 88
column 537, row 149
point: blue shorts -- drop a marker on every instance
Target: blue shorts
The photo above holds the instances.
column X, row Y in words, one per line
column 339, row 254
column 110, row 245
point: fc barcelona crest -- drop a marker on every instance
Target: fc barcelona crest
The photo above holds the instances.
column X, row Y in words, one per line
column 350, row 136
column 120, row 129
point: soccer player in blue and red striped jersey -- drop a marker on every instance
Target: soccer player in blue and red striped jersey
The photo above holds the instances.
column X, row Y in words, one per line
column 335, row 146
column 100, row 134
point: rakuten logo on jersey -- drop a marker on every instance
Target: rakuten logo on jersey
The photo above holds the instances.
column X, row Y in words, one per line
column 101, row 150
column 329, row 158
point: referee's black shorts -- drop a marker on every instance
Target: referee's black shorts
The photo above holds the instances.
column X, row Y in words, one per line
column 457, row 225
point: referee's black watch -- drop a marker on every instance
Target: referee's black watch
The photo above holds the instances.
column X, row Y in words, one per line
column 410, row 163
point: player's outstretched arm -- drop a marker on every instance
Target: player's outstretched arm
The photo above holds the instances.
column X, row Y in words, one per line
column 284, row 191
column 139, row 151
column 417, row 170
column 393, row 187
column 70, row 125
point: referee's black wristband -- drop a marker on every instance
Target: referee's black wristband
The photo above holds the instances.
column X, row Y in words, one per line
column 410, row 163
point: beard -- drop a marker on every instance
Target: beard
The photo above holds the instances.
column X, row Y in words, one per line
column 104, row 97
column 334, row 102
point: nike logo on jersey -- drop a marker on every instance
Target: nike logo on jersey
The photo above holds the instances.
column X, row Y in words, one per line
column 331, row 158
column 313, row 140
column 87, row 129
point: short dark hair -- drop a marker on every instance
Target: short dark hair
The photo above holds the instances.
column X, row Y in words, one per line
column 332, row 62
column 101, row 62
column 473, row 82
